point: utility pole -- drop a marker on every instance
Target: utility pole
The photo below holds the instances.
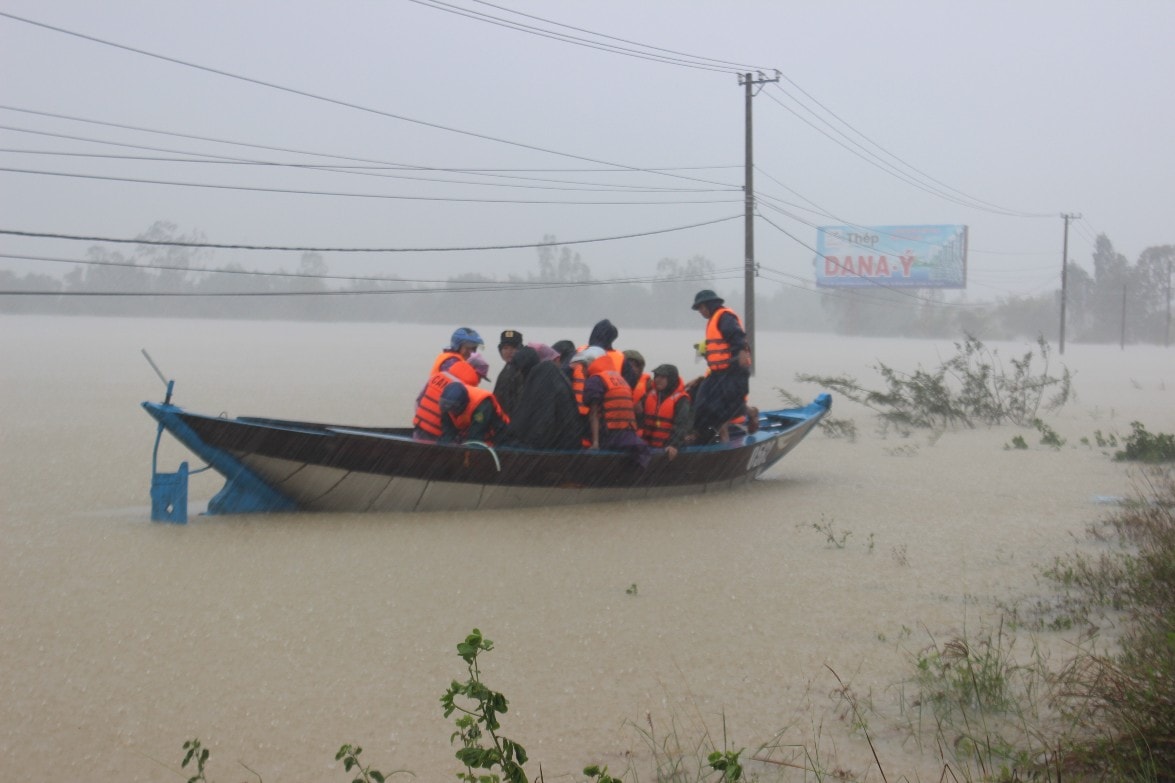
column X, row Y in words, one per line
column 1167, row 334
column 750, row 81
column 1065, row 273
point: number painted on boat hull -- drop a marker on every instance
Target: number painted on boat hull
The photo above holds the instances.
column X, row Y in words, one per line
column 760, row 454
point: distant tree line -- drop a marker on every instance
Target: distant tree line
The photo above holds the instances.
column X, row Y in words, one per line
column 161, row 280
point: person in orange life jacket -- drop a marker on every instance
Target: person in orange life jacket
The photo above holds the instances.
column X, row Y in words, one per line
column 509, row 384
column 633, row 371
column 603, row 334
column 545, row 416
column 470, row 413
column 428, row 421
column 722, row 394
column 665, row 414
column 461, row 346
column 476, row 362
column 611, row 413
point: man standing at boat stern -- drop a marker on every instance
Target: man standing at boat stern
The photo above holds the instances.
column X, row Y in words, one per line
column 722, row 395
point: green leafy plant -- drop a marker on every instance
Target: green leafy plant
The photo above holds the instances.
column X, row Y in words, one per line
column 600, row 775
column 727, row 762
column 349, row 755
column 1142, row 446
column 1105, row 441
column 972, row 387
column 482, row 747
column 198, row 753
column 966, row 673
column 1048, row 436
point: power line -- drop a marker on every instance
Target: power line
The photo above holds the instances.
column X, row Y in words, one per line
column 219, row 161
column 893, row 171
column 391, row 196
column 502, row 173
column 298, row 275
column 655, row 54
column 314, row 96
column 171, row 243
column 464, row 287
column 976, row 201
column 732, row 66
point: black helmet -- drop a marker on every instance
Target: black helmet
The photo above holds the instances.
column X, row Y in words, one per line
column 705, row 296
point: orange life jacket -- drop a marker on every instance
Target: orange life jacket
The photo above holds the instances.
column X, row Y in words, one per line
column 428, row 409
column 476, row 396
column 444, row 356
column 579, row 374
column 619, row 412
column 718, row 355
column 658, row 420
column 643, row 384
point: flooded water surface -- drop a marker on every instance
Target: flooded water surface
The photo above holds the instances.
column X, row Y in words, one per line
column 276, row 639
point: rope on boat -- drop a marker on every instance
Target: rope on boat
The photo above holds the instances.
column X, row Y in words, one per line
column 490, row 449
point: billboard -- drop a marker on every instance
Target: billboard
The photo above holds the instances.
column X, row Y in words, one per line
column 891, row 256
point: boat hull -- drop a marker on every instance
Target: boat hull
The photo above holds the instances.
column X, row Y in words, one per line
column 279, row 465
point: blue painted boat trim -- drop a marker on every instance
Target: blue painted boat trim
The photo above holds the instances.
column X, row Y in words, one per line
column 244, row 492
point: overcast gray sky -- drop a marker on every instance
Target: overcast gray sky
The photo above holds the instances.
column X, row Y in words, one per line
column 1004, row 114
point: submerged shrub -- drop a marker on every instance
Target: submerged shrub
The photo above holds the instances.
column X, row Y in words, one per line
column 972, row 387
column 1142, row 446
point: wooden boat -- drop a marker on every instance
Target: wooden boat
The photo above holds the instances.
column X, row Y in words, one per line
column 277, row 465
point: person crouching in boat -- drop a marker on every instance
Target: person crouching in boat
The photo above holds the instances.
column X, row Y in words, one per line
column 665, row 414
column 545, row 416
column 470, row 414
column 611, row 413
column 429, row 420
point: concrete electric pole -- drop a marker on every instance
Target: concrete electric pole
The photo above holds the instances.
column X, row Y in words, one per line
column 750, row 81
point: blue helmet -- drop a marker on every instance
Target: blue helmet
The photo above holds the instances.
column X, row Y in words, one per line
column 463, row 336
column 454, row 398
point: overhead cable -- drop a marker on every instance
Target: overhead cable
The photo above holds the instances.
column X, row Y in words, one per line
column 500, row 173
column 171, row 243
column 391, row 196
column 976, row 202
column 314, row 96
column 643, row 52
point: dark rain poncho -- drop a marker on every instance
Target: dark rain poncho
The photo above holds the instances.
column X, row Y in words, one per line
column 545, row 416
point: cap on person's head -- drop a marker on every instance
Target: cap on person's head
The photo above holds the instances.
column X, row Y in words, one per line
column 635, row 356
column 589, row 354
column 478, row 363
column 465, row 336
column 665, row 369
column 510, row 337
column 706, row 296
column 454, row 398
